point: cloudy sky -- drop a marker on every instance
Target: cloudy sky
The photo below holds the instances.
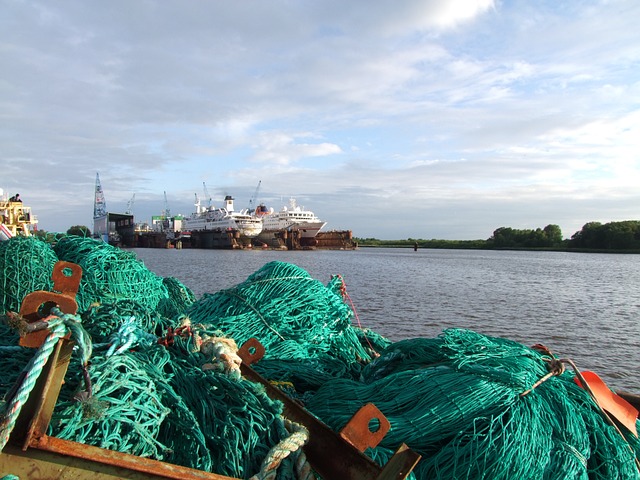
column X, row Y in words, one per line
column 391, row 118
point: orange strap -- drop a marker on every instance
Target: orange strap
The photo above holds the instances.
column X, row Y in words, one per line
column 612, row 403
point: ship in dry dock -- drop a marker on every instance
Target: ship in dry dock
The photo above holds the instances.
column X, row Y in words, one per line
column 224, row 227
column 292, row 227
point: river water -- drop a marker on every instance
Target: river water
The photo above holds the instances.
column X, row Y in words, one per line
column 582, row 306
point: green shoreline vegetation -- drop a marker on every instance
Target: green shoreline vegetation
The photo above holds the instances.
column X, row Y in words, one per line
column 618, row 237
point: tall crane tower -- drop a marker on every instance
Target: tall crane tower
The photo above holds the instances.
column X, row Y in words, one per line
column 254, row 199
column 206, row 194
column 167, row 212
column 99, row 203
column 130, row 205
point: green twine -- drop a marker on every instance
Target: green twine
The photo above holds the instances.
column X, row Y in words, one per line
column 291, row 314
column 455, row 399
column 26, row 265
column 109, row 273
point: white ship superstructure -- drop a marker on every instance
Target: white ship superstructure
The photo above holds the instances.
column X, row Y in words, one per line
column 293, row 217
column 222, row 219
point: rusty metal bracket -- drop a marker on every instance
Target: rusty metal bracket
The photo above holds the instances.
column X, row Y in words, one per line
column 251, row 351
column 66, row 278
column 335, row 456
column 329, row 453
column 367, row 428
column 36, row 414
column 36, row 306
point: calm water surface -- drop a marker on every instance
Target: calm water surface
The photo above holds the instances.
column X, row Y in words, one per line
column 582, row 306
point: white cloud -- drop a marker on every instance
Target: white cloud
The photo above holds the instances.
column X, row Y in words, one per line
column 392, row 18
column 280, row 149
column 450, row 106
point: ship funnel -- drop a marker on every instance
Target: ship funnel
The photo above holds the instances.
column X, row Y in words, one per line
column 228, row 202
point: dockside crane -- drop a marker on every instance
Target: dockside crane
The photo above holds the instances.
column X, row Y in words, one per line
column 130, row 205
column 167, row 212
column 99, row 203
column 206, row 194
column 254, row 199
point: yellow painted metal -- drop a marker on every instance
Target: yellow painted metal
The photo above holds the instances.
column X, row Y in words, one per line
column 17, row 218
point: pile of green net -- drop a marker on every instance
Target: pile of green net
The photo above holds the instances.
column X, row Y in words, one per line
column 159, row 403
column 110, row 274
column 153, row 393
column 26, row 265
column 157, row 392
column 304, row 325
column 456, row 400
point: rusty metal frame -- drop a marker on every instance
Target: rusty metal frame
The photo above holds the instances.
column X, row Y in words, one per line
column 32, row 424
column 332, row 455
column 37, row 413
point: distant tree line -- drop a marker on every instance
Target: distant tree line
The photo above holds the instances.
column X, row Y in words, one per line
column 609, row 236
column 594, row 236
column 53, row 237
column 412, row 242
column 547, row 237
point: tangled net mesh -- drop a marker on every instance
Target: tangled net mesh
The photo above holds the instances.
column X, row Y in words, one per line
column 157, row 392
column 26, row 265
column 110, row 273
column 457, row 401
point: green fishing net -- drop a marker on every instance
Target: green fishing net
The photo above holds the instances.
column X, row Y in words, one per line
column 109, row 273
column 159, row 403
column 124, row 412
column 13, row 358
column 26, row 265
column 238, row 421
column 103, row 319
column 154, row 392
column 178, row 298
column 293, row 315
column 149, row 393
column 456, row 400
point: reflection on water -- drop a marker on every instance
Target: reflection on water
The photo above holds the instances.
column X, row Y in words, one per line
column 582, row 306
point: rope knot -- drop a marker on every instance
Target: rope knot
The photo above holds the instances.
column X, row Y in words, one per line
column 183, row 331
column 222, row 354
column 555, row 367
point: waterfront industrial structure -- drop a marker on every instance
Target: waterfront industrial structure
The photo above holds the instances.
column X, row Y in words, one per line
column 173, row 231
column 114, row 228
